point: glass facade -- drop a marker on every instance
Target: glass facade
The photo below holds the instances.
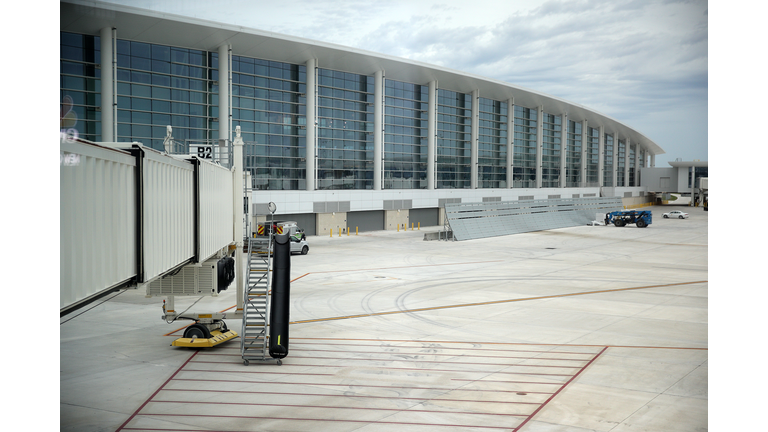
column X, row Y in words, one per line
column 524, row 164
column 492, row 144
column 573, row 156
column 453, row 144
column 344, row 130
column 621, row 163
column 406, row 109
column 80, row 85
column 158, row 85
column 551, row 150
column 269, row 105
column 608, row 161
column 593, row 157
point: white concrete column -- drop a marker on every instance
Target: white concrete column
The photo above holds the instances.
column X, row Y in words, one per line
column 378, row 129
column 584, row 151
column 510, row 141
column 108, row 70
column 615, row 158
column 563, row 148
column 627, row 161
column 237, row 202
column 636, row 164
column 475, row 140
column 224, row 94
column 432, row 136
column 539, row 143
column 311, row 138
column 653, row 160
column 601, row 154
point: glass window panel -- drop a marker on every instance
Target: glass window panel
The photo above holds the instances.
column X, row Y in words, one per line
column 196, row 58
column 161, row 119
column 195, row 109
column 141, row 63
column 197, row 84
column 141, row 117
column 141, row 104
column 139, row 49
column 160, row 52
column 141, row 131
column 161, row 106
column 161, row 66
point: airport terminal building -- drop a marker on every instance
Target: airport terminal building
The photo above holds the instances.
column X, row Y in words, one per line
column 337, row 137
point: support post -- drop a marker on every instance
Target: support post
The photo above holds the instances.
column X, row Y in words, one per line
column 107, row 37
column 378, row 129
column 311, row 156
column 475, row 140
column 431, row 135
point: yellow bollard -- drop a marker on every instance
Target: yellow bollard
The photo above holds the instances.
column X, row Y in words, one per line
column 347, row 231
column 419, row 226
column 331, row 232
column 411, row 226
column 356, row 230
column 339, row 232
column 398, row 227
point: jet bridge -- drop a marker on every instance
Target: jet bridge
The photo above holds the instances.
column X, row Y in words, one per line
column 132, row 216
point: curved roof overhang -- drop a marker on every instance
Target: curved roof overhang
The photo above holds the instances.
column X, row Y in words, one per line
column 686, row 164
column 89, row 17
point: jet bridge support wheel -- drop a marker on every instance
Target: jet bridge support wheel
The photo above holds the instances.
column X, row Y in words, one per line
column 197, row 331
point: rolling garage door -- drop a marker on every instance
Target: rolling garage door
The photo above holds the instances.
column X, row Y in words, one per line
column 365, row 220
column 424, row 216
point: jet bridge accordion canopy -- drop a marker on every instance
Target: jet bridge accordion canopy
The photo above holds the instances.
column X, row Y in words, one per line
column 489, row 219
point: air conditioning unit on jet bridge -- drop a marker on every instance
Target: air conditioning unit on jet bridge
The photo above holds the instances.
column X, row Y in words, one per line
column 191, row 280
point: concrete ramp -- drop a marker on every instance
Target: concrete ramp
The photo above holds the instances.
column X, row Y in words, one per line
column 489, row 219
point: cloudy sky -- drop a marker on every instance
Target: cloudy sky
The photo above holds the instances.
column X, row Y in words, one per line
column 642, row 62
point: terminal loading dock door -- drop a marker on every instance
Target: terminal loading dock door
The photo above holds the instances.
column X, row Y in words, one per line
column 489, row 219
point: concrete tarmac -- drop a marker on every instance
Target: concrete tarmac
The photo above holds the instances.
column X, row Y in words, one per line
column 575, row 329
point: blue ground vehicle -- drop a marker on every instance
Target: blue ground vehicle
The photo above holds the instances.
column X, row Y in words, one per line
column 641, row 218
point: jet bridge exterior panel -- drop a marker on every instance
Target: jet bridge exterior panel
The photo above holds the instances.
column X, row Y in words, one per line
column 489, row 219
column 215, row 212
column 97, row 192
column 168, row 213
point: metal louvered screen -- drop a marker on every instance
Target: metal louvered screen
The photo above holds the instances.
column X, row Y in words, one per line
column 489, row 219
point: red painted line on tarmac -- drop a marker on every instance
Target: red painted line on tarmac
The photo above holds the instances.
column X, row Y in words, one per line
column 506, row 382
column 425, row 354
column 473, row 349
column 337, row 395
column 407, row 369
column 328, row 420
column 430, row 361
column 156, row 392
column 402, row 410
column 449, row 389
column 435, row 362
column 293, row 339
column 558, row 391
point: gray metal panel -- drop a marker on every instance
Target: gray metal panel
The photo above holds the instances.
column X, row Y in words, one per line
column 344, row 206
column 424, row 216
column 318, row 207
column 489, row 219
column 261, row 209
column 366, row 220
column 305, row 221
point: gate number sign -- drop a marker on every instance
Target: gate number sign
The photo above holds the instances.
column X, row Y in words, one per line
column 202, row 151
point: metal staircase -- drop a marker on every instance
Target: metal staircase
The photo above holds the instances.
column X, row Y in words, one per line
column 254, row 345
